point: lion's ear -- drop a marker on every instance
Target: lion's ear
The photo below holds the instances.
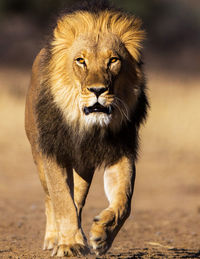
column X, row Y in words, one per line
column 129, row 30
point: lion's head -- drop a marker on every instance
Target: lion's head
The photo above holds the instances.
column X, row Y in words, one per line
column 94, row 70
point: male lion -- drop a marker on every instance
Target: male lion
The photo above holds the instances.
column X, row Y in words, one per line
column 84, row 107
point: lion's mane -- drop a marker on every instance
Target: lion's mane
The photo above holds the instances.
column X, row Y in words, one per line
column 61, row 131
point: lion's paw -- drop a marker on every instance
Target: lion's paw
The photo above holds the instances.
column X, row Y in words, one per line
column 102, row 231
column 50, row 241
column 99, row 243
column 71, row 250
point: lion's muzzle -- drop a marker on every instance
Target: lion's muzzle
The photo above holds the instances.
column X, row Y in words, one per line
column 97, row 107
column 97, row 90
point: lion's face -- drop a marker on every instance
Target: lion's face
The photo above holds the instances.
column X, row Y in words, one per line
column 103, row 78
column 96, row 66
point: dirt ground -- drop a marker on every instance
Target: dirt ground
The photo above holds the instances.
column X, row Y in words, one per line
column 165, row 218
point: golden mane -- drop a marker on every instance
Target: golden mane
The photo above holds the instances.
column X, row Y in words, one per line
column 69, row 28
column 126, row 27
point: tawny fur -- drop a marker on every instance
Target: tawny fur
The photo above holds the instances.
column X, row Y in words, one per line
column 69, row 145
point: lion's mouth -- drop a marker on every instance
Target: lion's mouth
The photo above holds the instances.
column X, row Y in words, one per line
column 97, row 107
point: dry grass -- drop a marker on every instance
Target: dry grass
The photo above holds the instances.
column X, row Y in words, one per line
column 168, row 171
column 15, row 157
column 174, row 121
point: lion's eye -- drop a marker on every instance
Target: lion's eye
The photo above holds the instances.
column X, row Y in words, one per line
column 81, row 61
column 113, row 60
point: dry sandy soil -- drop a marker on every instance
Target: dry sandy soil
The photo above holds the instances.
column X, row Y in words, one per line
column 165, row 219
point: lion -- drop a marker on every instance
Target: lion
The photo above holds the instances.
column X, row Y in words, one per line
column 84, row 107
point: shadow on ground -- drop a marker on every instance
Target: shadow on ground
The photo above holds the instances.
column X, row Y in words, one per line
column 156, row 253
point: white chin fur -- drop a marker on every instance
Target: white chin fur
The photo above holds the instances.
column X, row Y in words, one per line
column 98, row 118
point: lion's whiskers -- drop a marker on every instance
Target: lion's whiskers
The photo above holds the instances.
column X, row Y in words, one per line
column 122, row 115
column 121, row 107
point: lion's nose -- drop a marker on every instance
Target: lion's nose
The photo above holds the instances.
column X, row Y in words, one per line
column 98, row 90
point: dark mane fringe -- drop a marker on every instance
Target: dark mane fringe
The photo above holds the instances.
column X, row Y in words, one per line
column 59, row 140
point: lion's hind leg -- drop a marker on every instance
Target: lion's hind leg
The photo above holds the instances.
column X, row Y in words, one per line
column 51, row 233
column 118, row 182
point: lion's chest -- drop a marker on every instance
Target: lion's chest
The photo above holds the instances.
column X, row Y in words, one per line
column 87, row 150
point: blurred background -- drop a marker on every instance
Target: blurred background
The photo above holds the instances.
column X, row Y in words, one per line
column 172, row 30
column 168, row 180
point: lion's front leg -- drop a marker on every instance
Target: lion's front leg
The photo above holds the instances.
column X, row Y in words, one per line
column 81, row 188
column 71, row 241
column 51, row 233
column 119, row 182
